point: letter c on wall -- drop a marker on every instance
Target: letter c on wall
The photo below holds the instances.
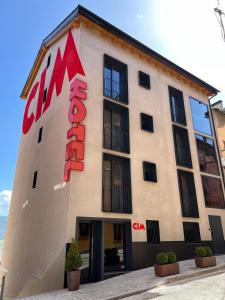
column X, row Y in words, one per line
column 28, row 120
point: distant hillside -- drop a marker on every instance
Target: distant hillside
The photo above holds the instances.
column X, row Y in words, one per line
column 3, row 222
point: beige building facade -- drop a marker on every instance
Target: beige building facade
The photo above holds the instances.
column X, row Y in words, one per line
column 219, row 121
column 118, row 150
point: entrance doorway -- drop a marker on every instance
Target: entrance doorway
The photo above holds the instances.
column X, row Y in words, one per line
column 114, row 249
column 217, row 234
column 105, row 248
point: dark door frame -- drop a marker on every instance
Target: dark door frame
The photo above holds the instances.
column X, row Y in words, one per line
column 97, row 255
column 218, row 244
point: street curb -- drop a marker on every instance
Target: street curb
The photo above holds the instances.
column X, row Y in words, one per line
column 173, row 279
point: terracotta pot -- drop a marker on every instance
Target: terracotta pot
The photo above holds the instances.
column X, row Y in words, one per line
column 205, row 262
column 73, row 280
column 167, row 270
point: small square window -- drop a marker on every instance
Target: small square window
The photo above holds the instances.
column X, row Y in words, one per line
column 49, row 61
column 40, row 135
column 153, row 236
column 147, row 122
column 191, row 232
column 144, row 80
column 149, row 171
column 45, row 95
column 34, row 180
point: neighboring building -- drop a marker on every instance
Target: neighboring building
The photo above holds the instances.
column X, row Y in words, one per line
column 219, row 120
column 118, row 150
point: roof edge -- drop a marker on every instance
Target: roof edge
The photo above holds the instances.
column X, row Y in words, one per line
column 82, row 11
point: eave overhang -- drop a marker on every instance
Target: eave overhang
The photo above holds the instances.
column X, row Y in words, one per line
column 73, row 20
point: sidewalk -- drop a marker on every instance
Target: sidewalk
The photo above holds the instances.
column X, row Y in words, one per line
column 129, row 284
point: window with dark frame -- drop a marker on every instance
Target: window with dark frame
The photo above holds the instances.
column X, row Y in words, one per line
column 207, row 155
column 149, row 171
column 84, row 229
column 147, row 122
column 117, row 232
column 213, row 192
column 144, row 80
column 116, row 184
column 153, row 234
column 115, row 79
column 34, row 180
column 45, row 95
column 188, row 196
column 177, row 106
column 201, row 117
column 40, row 135
column 116, row 127
column 191, row 232
column 48, row 61
column 182, row 147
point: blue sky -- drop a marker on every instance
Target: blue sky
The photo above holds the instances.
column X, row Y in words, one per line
column 186, row 32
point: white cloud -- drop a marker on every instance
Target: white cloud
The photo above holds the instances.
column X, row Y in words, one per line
column 5, row 198
column 139, row 16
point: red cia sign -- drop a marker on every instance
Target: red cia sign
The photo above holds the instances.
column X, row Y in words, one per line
column 138, row 226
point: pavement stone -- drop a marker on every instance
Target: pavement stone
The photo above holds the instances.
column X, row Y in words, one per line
column 129, row 284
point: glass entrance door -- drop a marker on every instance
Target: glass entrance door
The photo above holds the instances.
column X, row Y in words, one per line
column 114, row 249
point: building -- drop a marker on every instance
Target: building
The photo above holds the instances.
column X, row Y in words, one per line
column 118, row 150
column 218, row 112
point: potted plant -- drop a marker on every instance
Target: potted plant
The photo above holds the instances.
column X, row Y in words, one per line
column 204, row 258
column 166, row 264
column 72, row 265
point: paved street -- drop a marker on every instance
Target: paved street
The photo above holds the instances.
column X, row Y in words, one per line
column 208, row 288
column 138, row 282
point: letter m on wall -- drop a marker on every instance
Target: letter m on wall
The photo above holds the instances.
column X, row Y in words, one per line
column 69, row 61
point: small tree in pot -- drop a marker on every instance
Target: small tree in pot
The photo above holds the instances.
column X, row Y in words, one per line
column 166, row 264
column 72, row 265
column 204, row 258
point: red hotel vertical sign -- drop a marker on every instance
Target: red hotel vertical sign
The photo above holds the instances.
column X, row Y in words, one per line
column 76, row 115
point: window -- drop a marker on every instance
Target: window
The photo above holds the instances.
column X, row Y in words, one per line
column 153, row 236
column 115, row 79
column 191, row 232
column 182, row 148
column 144, row 80
column 187, row 194
column 34, row 180
column 177, row 106
column 84, row 229
column 200, row 116
column 117, row 232
column 147, row 122
column 40, row 135
column 207, row 155
column 45, row 95
column 48, row 61
column 116, row 184
column 116, row 127
column 149, row 171
column 213, row 192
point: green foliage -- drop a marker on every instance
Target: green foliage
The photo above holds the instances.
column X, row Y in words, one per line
column 162, row 258
column 203, row 251
column 209, row 251
column 172, row 258
column 73, row 258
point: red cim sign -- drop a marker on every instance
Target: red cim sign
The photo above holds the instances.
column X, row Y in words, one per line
column 70, row 61
column 77, row 113
column 138, row 226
